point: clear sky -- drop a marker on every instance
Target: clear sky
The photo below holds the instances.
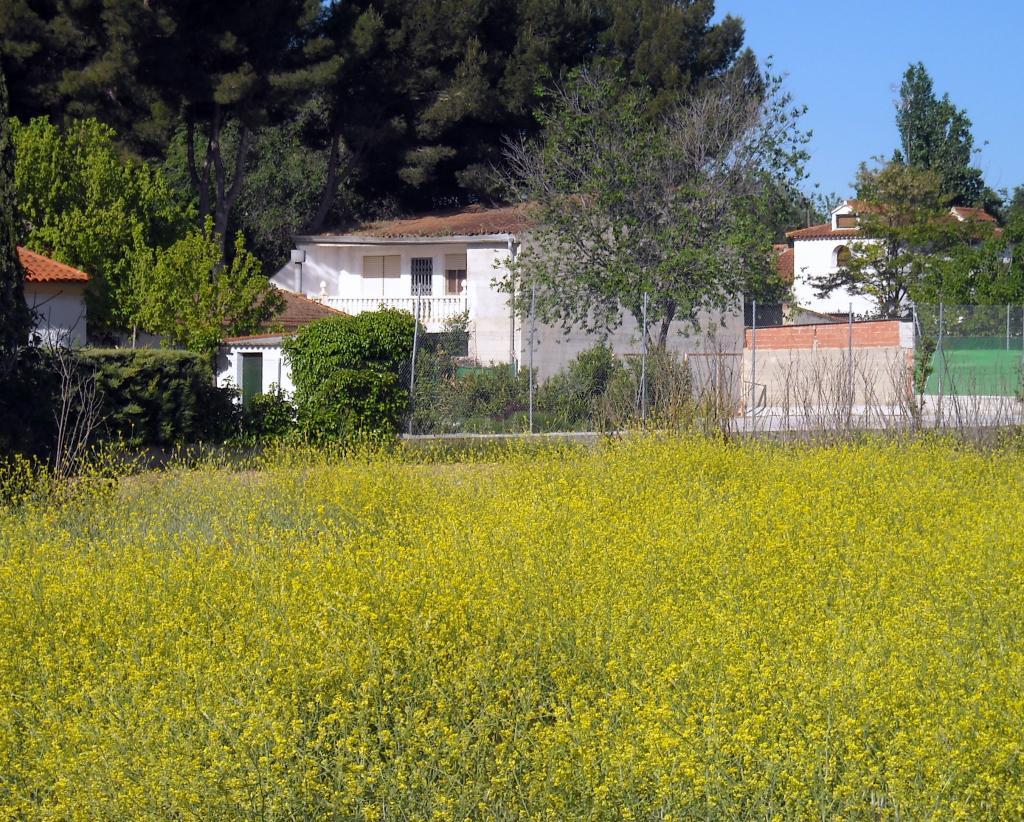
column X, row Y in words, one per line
column 844, row 60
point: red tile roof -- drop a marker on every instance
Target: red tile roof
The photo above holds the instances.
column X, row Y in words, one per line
column 978, row 214
column 471, row 221
column 40, row 269
column 822, row 231
column 299, row 311
column 784, row 261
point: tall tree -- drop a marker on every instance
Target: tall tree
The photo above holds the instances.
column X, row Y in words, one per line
column 673, row 209
column 209, row 64
column 15, row 318
column 910, row 248
column 422, row 92
column 83, row 203
column 936, row 136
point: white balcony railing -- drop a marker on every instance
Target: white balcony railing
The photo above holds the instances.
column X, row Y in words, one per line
column 434, row 312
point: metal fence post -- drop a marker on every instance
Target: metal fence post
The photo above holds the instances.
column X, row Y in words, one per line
column 940, row 359
column 533, row 332
column 412, row 365
column 849, row 365
column 753, row 359
column 643, row 365
column 1007, row 327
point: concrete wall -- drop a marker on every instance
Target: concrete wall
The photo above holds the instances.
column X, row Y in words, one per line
column 716, row 333
column 816, row 258
column 61, row 311
column 799, row 366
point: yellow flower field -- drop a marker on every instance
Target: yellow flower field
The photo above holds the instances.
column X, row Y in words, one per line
column 657, row 629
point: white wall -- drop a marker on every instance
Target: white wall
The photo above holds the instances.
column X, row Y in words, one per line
column 340, row 268
column 61, row 311
column 815, row 258
column 276, row 369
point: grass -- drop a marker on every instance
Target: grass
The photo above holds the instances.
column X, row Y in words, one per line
column 654, row 629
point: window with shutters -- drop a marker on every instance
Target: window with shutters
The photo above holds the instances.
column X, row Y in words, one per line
column 846, row 221
column 377, row 265
column 455, row 274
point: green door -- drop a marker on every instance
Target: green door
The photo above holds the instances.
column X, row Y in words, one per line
column 252, row 376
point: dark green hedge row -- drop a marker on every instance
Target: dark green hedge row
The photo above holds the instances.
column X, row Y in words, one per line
column 158, row 397
column 148, row 398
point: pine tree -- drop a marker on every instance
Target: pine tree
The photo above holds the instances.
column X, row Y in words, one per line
column 15, row 319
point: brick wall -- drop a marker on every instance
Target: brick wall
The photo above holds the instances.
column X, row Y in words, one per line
column 870, row 334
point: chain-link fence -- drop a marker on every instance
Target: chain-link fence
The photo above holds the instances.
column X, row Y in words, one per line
column 785, row 369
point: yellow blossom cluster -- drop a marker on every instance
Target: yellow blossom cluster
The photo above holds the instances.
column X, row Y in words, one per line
column 661, row 628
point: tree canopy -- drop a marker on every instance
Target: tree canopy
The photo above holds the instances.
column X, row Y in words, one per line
column 672, row 208
column 936, row 136
column 912, row 249
column 15, row 319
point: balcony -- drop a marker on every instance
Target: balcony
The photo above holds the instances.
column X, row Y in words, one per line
column 434, row 312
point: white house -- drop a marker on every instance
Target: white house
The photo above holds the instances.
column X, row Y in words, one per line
column 819, row 250
column 55, row 293
column 254, row 364
column 448, row 263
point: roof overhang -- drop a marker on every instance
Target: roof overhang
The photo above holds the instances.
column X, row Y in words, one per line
column 358, row 239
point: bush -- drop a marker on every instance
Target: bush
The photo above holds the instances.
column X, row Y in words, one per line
column 354, row 402
column 346, row 373
column 267, row 416
column 572, row 395
column 158, row 397
column 27, row 395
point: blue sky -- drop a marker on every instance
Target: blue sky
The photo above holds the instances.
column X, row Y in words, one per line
column 844, row 60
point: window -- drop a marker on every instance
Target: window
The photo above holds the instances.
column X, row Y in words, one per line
column 846, row 221
column 455, row 274
column 388, row 265
column 842, row 257
column 422, row 276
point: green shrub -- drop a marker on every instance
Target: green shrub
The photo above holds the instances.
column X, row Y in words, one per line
column 267, row 416
column 571, row 396
column 153, row 397
column 346, row 373
column 28, row 392
column 354, row 402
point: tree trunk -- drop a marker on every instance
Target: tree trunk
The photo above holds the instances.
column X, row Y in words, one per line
column 666, row 322
column 330, row 185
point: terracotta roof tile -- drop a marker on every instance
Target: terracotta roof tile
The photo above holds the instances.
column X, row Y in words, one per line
column 784, row 261
column 978, row 214
column 470, row 221
column 40, row 269
column 299, row 311
column 822, row 231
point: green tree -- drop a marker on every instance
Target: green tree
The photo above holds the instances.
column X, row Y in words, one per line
column 206, row 64
column 935, row 135
column 910, row 247
column 82, row 203
column 15, row 318
column 673, row 207
column 188, row 294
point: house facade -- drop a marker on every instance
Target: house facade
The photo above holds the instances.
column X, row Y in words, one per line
column 254, row 364
column 447, row 265
column 820, row 250
column 55, row 293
